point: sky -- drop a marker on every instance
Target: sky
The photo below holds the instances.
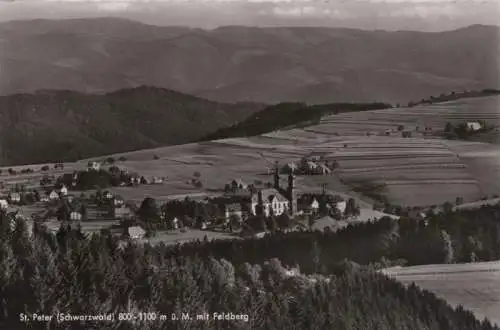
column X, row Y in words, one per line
column 422, row 15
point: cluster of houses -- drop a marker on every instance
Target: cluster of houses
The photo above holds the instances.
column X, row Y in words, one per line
column 16, row 197
column 135, row 178
column 275, row 201
column 309, row 166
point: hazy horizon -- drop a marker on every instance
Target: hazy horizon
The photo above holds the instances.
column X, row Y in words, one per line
column 415, row 15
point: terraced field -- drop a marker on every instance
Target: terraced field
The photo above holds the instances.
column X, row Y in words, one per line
column 475, row 286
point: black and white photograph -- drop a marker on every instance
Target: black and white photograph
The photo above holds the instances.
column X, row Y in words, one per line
column 250, row 164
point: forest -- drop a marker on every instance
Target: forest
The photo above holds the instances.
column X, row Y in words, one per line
column 336, row 285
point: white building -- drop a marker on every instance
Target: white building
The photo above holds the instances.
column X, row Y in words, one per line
column 64, row 191
column 4, row 205
column 474, row 126
column 75, row 216
column 271, row 200
column 53, row 195
column 93, row 166
column 341, row 206
column 15, row 197
column 136, row 232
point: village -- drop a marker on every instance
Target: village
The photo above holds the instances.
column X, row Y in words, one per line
column 85, row 200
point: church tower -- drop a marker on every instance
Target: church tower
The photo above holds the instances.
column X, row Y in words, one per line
column 292, row 194
column 277, row 176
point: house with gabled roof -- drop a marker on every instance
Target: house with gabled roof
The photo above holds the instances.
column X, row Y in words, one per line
column 54, row 195
column 15, row 197
column 93, row 166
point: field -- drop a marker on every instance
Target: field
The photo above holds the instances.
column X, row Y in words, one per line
column 418, row 171
column 475, row 286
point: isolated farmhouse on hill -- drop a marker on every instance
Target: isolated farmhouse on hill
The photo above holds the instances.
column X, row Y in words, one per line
column 474, row 126
column 93, row 166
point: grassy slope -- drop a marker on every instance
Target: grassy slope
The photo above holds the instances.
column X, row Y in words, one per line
column 474, row 286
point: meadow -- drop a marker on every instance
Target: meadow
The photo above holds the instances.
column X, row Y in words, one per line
column 475, row 286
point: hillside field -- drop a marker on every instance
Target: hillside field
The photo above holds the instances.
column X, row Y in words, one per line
column 475, row 286
column 421, row 170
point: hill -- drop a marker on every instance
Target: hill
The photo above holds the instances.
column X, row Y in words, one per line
column 63, row 125
column 270, row 65
column 288, row 115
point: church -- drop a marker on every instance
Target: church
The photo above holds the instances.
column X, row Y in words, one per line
column 276, row 200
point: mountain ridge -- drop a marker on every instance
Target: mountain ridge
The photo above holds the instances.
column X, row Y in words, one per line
column 231, row 64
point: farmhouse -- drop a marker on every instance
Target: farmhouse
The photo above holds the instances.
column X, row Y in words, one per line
column 324, row 169
column 64, row 191
column 136, row 232
column 308, row 204
column 93, row 166
column 341, row 205
column 54, row 195
column 238, row 184
column 75, row 216
column 474, row 126
column 156, row 180
column 15, row 197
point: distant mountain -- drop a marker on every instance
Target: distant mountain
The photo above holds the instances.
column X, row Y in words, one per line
column 63, row 125
column 270, row 65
